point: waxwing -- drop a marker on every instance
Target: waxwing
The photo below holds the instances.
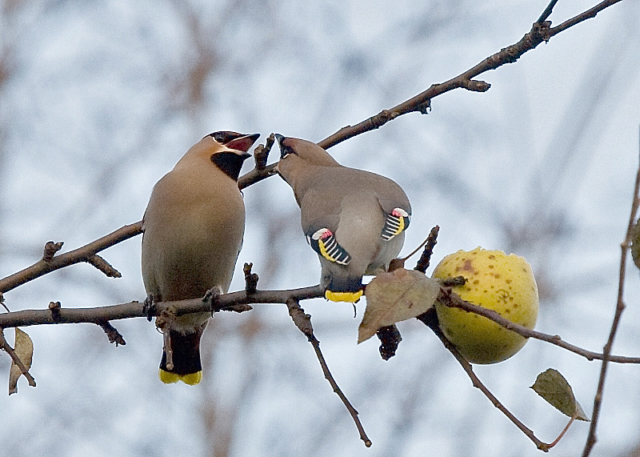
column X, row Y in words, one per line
column 353, row 219
column 193, row 229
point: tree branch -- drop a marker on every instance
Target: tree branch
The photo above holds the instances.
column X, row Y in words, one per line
column 589, row 14
column 430, row 319
column 303, row 322
column 99, row 315
column 540, row 31
column 451, row 299
column 597, row 402
column 50, row 262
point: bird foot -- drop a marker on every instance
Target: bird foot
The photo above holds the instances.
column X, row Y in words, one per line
column 212, row 296
column 149, row 307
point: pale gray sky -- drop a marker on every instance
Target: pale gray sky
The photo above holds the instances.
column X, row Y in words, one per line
column 100, row 99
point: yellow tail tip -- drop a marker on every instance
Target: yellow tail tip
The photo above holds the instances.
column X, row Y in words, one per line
column 169, row 378
column 350, row 297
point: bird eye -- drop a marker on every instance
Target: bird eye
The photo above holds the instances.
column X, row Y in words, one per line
column 219, row 137
column 224, row 136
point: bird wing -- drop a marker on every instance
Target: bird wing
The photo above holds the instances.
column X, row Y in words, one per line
column 395, row 205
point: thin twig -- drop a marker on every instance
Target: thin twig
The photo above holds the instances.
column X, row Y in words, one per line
column 9, row 350
column 104, row 266
column 112, row 333
column 597, row 402
column 303, row 322
column 450, row 298
column 562, row 433
column 425, row 258
column 540, row 31
column 547, row 12
column 50, row 249
column 256, row 175
column 261, row 153
column 430, row 320
column 589, row 14
column 81, row 254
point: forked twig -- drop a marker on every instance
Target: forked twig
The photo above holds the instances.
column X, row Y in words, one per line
column 430, row 319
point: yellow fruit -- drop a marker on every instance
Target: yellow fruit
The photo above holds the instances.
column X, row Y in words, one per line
column 503, row 283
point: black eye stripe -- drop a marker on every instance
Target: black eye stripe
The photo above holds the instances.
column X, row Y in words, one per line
column 229, row 163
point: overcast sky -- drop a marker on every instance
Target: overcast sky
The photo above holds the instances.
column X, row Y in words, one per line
column 99, row 99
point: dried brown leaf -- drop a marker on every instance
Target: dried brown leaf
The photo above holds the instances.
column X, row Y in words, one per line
column 23, row 348
column 394, row 297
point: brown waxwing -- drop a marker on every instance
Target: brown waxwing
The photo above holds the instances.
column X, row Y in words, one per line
column 353, row 219
column 193, row 229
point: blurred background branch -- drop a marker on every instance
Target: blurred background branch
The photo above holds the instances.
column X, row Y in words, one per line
column 98, row 101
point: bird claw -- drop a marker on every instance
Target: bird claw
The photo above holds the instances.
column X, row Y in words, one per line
column 149, row 307
column 212, row 295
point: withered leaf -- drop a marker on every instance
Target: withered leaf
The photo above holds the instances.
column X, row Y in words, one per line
column 23, row 348
column 555, row 389
column 394, row 297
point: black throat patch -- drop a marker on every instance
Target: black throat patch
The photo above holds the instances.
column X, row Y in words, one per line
column 229, row 163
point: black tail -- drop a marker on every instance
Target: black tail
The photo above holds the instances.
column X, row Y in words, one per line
column 186, row 358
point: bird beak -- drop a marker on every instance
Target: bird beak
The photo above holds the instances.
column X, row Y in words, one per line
column 243, row 143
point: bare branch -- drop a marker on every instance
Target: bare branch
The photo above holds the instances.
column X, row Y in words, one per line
column 425, row 258
column 450, row 298
column 113, row 334
column 250, row 279
column 430, row 319
column 303, row 322
column 540, row 31
column 256, row 175
column 547, row 12
column 261, row 153
column 103, row 266
column 597, row 402
column 81, row 254
column 589, row 14
column 235, row 301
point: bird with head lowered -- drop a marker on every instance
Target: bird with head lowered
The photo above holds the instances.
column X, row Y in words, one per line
column 353, row 219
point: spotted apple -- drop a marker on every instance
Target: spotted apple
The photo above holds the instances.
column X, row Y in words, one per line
column 503, row 283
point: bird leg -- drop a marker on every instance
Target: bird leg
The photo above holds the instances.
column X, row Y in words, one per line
column 163, row 323
column 166, row 341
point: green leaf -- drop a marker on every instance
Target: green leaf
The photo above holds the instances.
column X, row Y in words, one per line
column 555, row 389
